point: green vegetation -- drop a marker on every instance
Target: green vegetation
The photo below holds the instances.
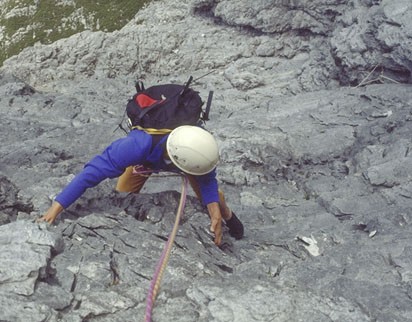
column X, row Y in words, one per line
column 25, row 22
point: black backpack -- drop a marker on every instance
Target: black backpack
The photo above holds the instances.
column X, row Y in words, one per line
column 166, row 106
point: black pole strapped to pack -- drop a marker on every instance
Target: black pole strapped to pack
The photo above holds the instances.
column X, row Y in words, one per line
column 187, row 85
column 208, row 104
column 139, row 86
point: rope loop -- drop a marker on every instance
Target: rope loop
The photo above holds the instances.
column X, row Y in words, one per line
column 164, row 258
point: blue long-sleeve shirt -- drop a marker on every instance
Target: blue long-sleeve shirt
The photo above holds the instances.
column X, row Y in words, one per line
column 134, row 149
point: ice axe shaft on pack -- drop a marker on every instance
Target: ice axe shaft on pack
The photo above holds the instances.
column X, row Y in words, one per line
column 205, row 116
column 186, row 86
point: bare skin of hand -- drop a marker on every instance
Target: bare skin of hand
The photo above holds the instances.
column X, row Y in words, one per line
column 52, row 213
column 215, row 221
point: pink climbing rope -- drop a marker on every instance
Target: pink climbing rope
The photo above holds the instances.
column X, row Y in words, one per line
column 164, row 258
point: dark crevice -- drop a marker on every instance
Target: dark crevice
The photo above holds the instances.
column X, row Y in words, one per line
column 127, row 244
column 160, row 237
column 114, row 268
column 180, row 246
column 74, row 284
column 225, row 268
column 93, row 231
column 26, row 90
column 286, row 247
column 142, row 276
column 206, row 11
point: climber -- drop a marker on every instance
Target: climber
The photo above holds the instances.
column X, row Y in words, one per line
column 188, row 149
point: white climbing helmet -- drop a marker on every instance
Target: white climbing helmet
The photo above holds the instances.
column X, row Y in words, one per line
column 192, row 149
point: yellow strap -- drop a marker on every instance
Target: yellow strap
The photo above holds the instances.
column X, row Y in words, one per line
column 152, row 131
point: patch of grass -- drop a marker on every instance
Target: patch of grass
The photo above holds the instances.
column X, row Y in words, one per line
column 46, row 21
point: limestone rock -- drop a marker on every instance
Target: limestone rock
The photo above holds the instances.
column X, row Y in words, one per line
column 312, row 113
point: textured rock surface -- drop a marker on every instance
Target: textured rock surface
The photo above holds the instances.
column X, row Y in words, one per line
column 318, row 172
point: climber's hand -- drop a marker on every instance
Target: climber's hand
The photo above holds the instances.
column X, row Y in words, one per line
column 215, row 222
column 52, row 213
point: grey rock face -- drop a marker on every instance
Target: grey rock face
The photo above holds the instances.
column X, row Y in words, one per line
column 25, row 253
column 376, row 42
column 324, row 42
column 319, row 173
